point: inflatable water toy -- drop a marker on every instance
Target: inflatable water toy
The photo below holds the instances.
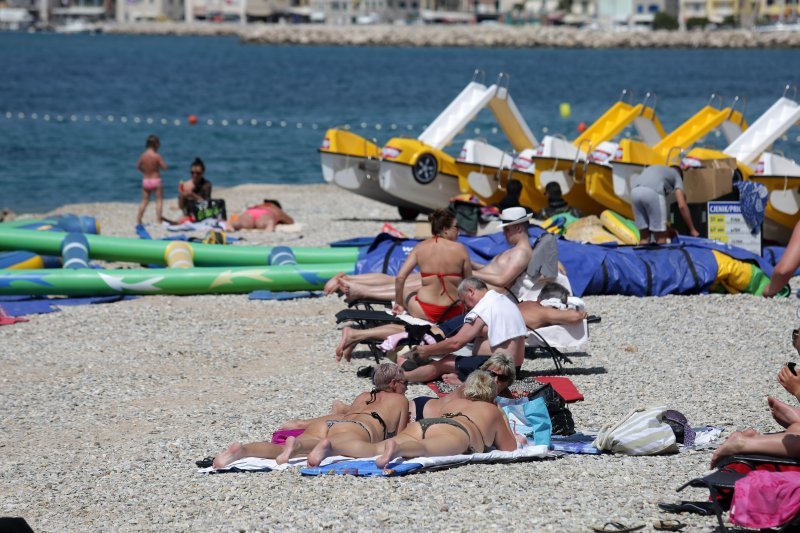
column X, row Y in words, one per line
column 619, row 226
column 153, row 252
column 173, row 281
column 69, row 223
column 26, row 260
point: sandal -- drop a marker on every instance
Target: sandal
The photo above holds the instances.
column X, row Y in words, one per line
column 668, row 525
column 616, row 527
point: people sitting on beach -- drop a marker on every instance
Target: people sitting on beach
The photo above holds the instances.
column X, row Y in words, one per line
column 472, row 425
column 373, row 416
column 507, row 271
column 499, row 366
column 151, row 164
column 786, row 444
column 442, row 262
column 556, row 204
column 265, row 216
column 197, row 189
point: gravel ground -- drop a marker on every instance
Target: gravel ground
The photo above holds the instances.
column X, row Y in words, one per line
column 105, row 408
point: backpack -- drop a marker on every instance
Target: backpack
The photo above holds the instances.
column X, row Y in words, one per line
column 560, row 415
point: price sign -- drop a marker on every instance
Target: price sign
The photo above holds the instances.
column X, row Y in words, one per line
column 727, row 225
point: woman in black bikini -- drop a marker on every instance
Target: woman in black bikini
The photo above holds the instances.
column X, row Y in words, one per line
column 374, row 416
column 473, row 425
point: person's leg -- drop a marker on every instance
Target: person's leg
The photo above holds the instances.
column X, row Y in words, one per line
column 640, row 218
column 432, row 370
column 352, row 336
column 142, row 205
column 377, row 286
column 160, row 204
column 785, row 415
column 786, row 444
column 237, row 450
column 658, row 219
column 266, row 222
column 350, row 447
column 644, row 237
column 439, row 440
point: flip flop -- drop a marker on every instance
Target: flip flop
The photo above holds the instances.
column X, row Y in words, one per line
column 616, row 527
column 668, row 525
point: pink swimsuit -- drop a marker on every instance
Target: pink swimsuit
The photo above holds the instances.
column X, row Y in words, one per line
column 151, row 184
column 258, row 212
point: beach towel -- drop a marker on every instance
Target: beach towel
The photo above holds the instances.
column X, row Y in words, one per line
column 398, row 467
column 583, row 443
column 562, row 385
column 39, row 305
column 6, row 319
column 764, row 500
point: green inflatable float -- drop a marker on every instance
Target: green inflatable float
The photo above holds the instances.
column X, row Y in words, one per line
column 154, row 252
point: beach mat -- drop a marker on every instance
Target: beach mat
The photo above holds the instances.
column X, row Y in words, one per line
column 581, row 443
column 283, row 295
column 39, row 305
column 338, row 465
column 563, row 386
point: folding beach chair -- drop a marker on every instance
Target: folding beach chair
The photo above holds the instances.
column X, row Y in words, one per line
column 553, row 341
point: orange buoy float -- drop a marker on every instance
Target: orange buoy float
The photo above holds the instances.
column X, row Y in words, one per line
column 192, row 119
column 581, row 127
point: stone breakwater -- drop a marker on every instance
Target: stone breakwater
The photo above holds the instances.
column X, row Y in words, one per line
column 494, row 36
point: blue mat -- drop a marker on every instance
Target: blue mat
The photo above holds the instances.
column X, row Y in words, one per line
column 270, row 295
column 575, row 443
column 36, row 305
column 361, row 469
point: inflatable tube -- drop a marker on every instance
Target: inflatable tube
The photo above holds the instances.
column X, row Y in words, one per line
column 20, row 260
column 589, row 229
column 622, row 228
column 183, row 281
column 68, row 223
column 179, row 255
column 282, row 255
column 75, row 251
column 152, row 252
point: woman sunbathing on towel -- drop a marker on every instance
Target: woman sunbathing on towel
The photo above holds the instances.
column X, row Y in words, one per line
column 265, row 215
column 373, row 417
column 473, row 425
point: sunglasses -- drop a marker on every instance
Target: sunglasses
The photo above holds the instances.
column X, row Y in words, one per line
column 498, row 377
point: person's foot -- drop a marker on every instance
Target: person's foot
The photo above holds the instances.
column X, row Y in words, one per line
column 320, row 452
column 452, row 379
column 731, row 446
column 332, row 285
column 289, row 448
column 352, row 291
column 389, row 450
column 346, row 345
column 783, row 414
column 232, row 453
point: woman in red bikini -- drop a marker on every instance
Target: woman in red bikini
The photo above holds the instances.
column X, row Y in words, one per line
column 442, row 263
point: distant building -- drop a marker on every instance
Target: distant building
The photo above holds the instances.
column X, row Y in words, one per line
column 149, row 10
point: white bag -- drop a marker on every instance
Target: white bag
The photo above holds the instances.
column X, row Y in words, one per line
column 641, row 432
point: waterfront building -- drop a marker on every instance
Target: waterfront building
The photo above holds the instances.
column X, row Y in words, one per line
column 149, row 10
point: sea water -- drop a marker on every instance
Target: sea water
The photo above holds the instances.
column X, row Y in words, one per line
column 75, row 110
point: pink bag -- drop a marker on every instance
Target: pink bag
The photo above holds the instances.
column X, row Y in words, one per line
column 763, row 500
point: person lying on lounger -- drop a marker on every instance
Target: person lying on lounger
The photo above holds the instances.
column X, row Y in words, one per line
column 533, row 314
column 373, row 416
column 442, row 263
column 474, row 425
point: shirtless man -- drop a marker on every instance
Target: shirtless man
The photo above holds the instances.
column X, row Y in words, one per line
column 150, row 165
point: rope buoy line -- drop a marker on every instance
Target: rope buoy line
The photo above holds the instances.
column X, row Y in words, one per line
column 193, row 120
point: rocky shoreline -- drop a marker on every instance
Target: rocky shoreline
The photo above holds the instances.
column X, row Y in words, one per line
column 489, row 36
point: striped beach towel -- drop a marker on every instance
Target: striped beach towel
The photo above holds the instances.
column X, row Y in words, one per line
column 640, row 432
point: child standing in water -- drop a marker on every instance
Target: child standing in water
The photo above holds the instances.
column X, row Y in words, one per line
column 150, row 165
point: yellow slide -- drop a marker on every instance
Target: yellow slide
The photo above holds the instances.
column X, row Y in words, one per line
column 613, row 121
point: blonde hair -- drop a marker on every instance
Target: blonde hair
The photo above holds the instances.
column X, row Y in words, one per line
column 480, row 387
column 504, row 364
column 384, row 375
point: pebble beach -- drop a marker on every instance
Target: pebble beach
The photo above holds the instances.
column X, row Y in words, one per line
column 105, row 408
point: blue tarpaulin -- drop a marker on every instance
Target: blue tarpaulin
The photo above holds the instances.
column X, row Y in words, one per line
column 684, row 267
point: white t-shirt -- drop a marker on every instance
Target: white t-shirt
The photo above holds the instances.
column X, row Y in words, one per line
column 501, row 316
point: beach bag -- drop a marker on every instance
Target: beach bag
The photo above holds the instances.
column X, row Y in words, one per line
column 561, row 421
column 641, row 432
column 529, row 418
column 209, row 209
